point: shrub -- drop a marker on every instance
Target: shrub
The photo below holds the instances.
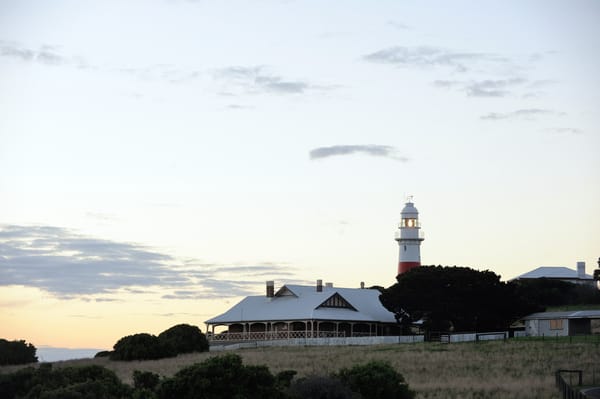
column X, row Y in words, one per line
column 184, row 338
column 145, row 380
column 283, row 379
column 103, row 354
column 220, row 377
column 376, row 380
column 88, row 382
column 16, row 352
column 319, row 387
column 141, row 347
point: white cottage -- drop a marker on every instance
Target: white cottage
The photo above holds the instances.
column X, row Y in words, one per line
column 299, row 311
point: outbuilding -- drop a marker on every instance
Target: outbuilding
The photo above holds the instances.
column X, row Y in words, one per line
column 561, row 323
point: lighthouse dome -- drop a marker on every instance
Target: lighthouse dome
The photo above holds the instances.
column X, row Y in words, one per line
column 409, row 210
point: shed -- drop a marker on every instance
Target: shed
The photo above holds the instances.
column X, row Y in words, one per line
column 565, row 323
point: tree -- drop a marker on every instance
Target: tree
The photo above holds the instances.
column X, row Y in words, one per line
column 550, row 292
column 184, row 338
column 141, row 347
column 16, row 352
column 455, row 299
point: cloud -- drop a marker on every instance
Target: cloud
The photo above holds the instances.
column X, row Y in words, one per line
column 46, row 54
column 258, row 79
column 483, row 88
column 69, row 265
column 164, row 72
column 374, row 150
column 427, row 56
column 398, row 25
column 66, row 264
column 530, row 113
column 564, row 130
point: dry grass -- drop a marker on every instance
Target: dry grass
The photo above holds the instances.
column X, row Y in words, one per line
column 513, row 369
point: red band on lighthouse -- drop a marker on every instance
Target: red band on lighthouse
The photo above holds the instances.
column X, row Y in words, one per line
column 403, row 267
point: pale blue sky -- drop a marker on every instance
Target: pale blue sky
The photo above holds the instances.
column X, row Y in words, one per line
column 184, row 130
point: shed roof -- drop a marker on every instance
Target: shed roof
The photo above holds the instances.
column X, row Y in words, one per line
column 300, row 302
column 558, row 272
column 573, row 314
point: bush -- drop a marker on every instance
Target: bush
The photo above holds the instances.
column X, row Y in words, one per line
column 318, row 387
column 88, row 382
column 184, row 338
column 220, row 377
column 16, row 352
column 103, row 354
column 141, row 347
column 145, row 380
column 376, row 380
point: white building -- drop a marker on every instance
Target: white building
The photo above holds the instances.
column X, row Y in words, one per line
column 577, row 276
column 560, row 323
column 299, row 311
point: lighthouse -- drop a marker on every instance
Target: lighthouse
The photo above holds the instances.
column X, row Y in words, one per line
column 409, row 237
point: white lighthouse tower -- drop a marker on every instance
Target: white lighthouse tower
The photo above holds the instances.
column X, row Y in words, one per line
column 409, row 237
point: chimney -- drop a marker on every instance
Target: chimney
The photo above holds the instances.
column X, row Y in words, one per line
column 362, row 285
column 270, row 289
column 581, row 270
column 319, row 285
column 328, row 285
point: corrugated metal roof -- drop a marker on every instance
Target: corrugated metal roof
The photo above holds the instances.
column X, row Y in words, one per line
column 572, row 314
column 553, row 272
column 304, row 306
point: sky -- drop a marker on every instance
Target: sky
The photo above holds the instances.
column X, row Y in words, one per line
column 162, row 159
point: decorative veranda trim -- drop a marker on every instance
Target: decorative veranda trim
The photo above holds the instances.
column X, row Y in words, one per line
column 275, row 330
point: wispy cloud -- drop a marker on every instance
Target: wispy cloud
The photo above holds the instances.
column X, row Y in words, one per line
column 165, row 72
column 483, row 88
column 563, row 130
column 258, row 79
column 398, row 25
column 530, row 114
column 70, row 265
column 45, row 54
column 428, row 56
column 374, row 150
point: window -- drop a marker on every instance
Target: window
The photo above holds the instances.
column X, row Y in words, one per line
column 409, row 222
column 556, row 324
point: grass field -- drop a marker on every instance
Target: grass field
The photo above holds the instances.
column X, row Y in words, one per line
column 494, row 369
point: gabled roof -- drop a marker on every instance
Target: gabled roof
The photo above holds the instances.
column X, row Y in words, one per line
column 553, row 272
column 573, row 314
column 299, row 302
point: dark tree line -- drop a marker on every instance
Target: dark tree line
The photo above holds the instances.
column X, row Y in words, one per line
column 215, row 378
column 16, row 352
column 464, row 299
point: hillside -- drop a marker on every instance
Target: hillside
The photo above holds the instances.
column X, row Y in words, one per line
column 513, row 369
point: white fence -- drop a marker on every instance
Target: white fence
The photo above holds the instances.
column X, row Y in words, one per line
column 349, row 341
column 339, row 341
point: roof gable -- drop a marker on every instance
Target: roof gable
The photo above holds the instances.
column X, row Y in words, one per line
column 336, row 301
column 285, row 291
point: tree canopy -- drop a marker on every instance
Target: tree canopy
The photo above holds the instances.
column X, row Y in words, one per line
column 455, row 299
column 16, row 352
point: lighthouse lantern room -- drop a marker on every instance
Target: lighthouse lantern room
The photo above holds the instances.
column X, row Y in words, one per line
column 409, row 237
